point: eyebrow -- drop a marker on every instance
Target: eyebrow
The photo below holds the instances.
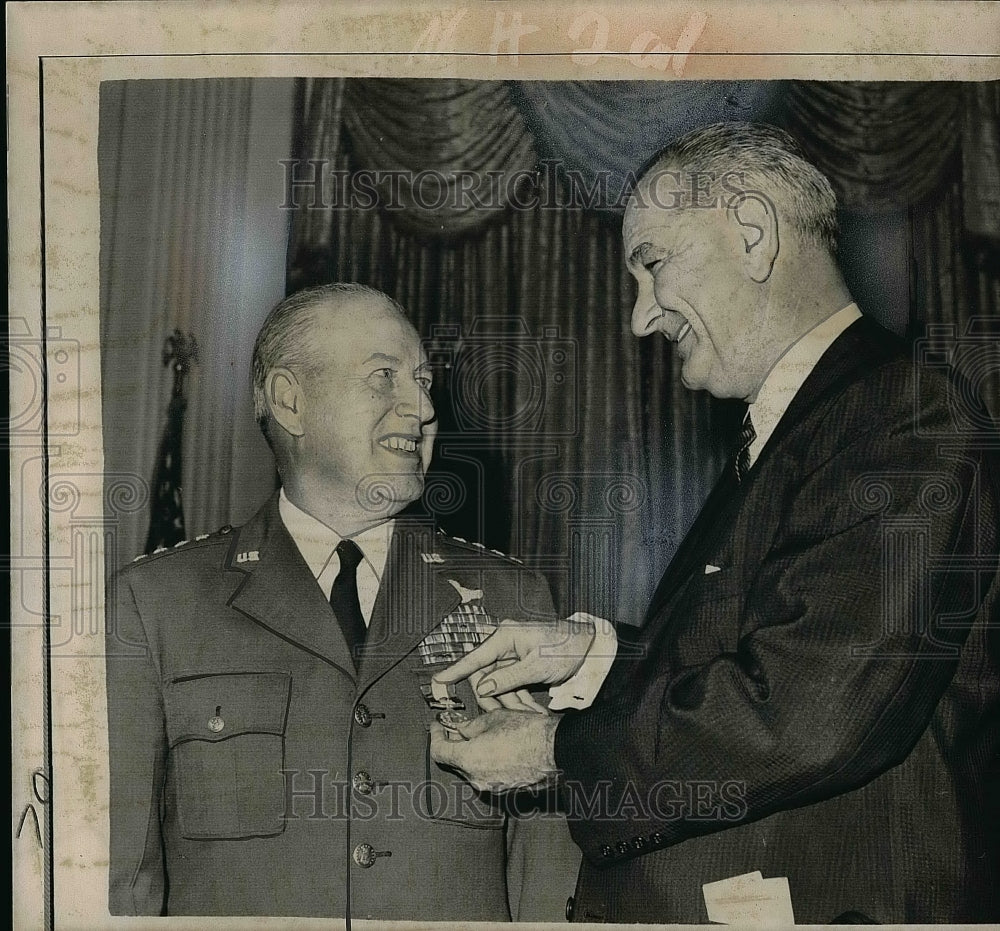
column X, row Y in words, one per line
column 641, row 253
column 381, row 357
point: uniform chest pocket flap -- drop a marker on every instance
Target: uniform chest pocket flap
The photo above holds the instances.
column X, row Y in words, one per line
column 226, row 733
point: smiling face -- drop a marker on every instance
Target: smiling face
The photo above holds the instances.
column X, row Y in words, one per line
column 693, row 290
column 367, row 420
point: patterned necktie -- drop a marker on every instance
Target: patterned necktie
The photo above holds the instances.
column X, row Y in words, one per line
column 747, row 435
column 344, row 597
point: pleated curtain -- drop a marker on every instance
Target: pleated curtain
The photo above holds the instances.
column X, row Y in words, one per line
column 564, row 439
column 599, row 484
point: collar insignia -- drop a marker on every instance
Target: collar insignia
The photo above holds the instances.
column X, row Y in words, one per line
column 466, row 594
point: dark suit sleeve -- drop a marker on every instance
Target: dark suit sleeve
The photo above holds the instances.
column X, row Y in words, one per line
column 137, row 750
column 838, row 659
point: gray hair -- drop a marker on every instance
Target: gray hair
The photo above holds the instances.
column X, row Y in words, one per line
column 766, row 160
column 285, row 340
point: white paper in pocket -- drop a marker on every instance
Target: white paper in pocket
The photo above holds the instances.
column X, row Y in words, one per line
column 749, row 900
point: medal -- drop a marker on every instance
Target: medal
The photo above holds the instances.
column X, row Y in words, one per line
column 441, row 697
column 451, row 721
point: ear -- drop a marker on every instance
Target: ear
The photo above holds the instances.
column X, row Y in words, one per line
column 757, row 221
column 285, row 400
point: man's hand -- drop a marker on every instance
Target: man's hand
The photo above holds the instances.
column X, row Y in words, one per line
column 522, row 653
column 502, row 749
column 521, row 700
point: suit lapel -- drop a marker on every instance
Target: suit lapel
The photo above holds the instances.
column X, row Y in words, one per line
column 860, row 348
column 862, row 345
column 413, row 598
column 704, row 529
column 280, row 593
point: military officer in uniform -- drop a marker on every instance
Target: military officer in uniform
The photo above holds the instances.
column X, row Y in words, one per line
column 269, row 686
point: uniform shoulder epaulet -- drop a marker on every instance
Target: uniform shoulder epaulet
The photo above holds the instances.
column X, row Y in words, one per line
column 183, row 544
column 462, row 543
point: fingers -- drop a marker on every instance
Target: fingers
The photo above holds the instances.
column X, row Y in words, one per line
column 529, row 702
column 442, row 746
column 487, row 704
column 509, row 678
column 475, row 727
column 497, row 646
column 452, row 753
column 515, row 701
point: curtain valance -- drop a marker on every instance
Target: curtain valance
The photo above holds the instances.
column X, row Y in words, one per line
column 445, row 157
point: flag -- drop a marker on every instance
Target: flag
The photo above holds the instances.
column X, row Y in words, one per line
column 166, row 524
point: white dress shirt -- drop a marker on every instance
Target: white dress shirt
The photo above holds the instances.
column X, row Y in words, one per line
column 790, row 371
column 318, row 545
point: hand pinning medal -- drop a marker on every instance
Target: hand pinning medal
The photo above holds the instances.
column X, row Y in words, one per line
column 451, row 721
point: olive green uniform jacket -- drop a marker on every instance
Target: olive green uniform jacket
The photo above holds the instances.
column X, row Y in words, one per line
column 254, row 771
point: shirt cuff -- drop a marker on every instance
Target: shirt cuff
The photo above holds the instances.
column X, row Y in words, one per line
column 580, row 689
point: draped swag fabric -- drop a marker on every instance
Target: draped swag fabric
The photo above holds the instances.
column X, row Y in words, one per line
column 473, row 126
column 564, row 439
column 881, row 143
column 613, row 127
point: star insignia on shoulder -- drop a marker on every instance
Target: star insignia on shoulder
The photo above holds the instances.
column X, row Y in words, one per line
column 252, row 556
column 478, row 547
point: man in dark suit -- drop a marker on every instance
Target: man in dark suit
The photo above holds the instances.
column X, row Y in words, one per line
column 269, row 686
column 815, row 692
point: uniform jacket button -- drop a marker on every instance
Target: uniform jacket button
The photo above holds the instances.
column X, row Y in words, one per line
column 365, row 855
column 570, row 908
column 363, row 782
column 362, row 716
column 622, row 847
column 639, row 843
column 606, row 851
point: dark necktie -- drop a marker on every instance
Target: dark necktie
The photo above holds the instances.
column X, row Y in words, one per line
column 344, row 597
column 747, row 435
